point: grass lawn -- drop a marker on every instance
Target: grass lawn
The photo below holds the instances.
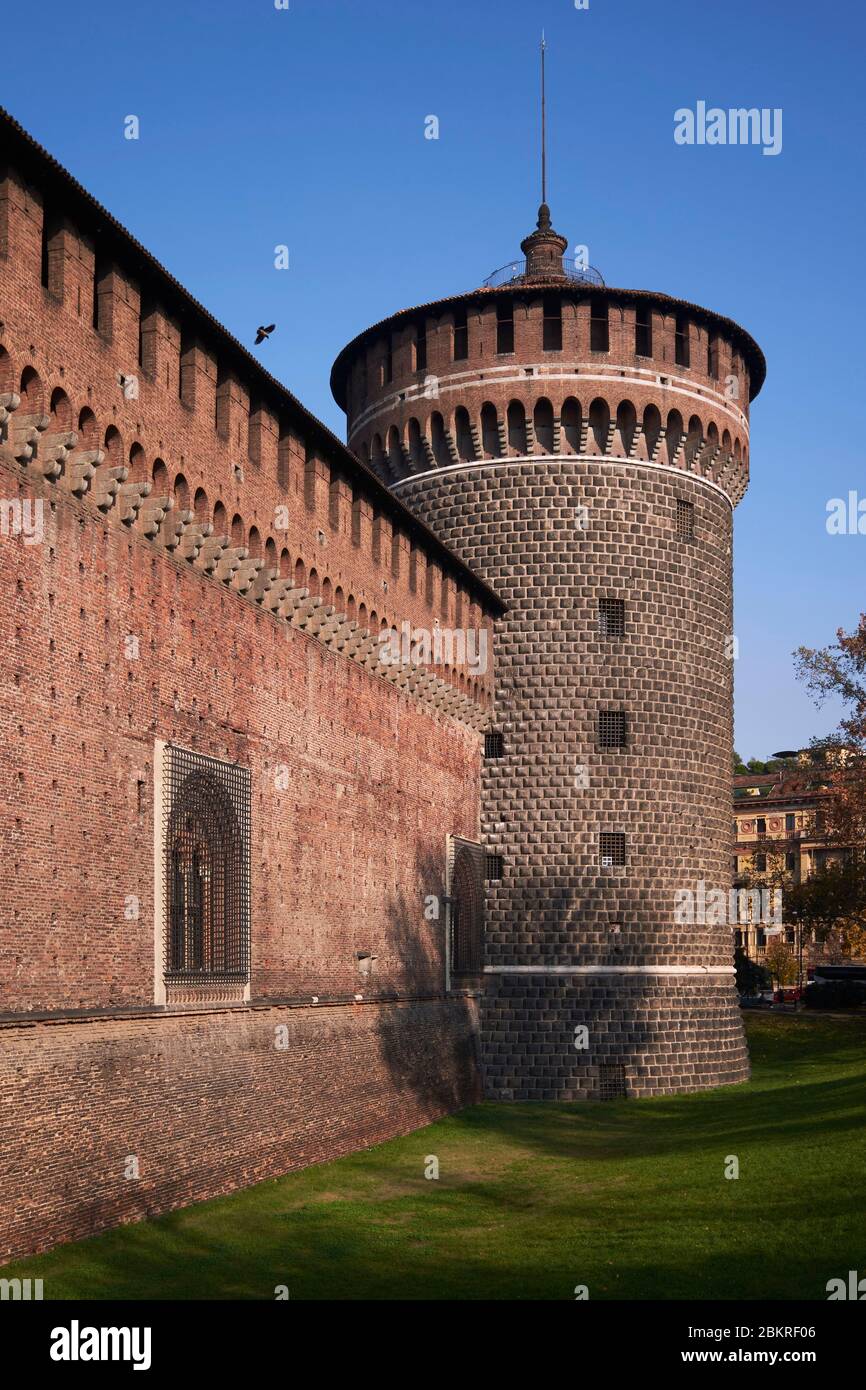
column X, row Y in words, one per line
column 627, row 1197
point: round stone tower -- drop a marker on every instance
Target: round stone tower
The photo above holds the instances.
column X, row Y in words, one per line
column 582, row 448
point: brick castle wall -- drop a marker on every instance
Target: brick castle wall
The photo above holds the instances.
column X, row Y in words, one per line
column 206, row 1103
column 207, row 560
column 347, row 844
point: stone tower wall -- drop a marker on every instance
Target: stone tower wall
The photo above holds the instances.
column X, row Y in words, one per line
column 560, row 474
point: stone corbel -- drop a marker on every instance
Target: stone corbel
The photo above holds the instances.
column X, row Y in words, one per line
column 130, row 497
column 106, row 485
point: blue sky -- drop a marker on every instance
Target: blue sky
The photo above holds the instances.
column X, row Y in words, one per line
column 306, row 127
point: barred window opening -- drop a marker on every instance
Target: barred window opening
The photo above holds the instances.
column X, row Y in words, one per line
column 207, row 835
column 494, row 746
column 611, row 728
column 611, row 617
column 685, row 520
column 493, row 867
column 612, row 849
column 612, row 1084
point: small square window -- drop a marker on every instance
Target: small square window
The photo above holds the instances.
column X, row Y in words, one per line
column 611, row 617
column 493, row 744
column 685, row 520
column 611, row 846
column 612, row 1083
column 493, row 867
column 611, row 728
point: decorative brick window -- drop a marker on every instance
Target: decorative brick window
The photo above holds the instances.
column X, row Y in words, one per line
column 611, row 728
column 205, row 853
column 611, row 617
column 493, row 744
column 685, row 520
column 493, row 867
column 466, row 871
column 611, row 849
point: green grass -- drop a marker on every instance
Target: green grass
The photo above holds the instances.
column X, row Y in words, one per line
column 627, row 1197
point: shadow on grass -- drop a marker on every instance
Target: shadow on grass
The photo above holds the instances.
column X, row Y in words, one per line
column 628, row 1198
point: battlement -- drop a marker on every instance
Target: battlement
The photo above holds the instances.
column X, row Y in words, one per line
column 119, row 388
column 551, row 368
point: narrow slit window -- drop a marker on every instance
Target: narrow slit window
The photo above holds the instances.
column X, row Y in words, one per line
column 643, row 332
column 461, row 336
column 713, row 356
column 552, row 323
column 421, row 348
column 504, row 326
column 599, row 326
column 681, row 343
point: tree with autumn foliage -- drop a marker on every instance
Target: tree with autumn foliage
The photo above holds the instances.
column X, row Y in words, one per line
column 834, row 899
column 840, row 671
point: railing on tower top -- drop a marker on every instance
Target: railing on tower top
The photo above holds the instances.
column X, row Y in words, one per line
column 572, row 270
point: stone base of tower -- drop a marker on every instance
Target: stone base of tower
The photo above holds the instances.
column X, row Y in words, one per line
column 644, row 1036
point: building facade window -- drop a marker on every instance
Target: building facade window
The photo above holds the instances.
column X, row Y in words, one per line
column 206, row 862
column 466, row 873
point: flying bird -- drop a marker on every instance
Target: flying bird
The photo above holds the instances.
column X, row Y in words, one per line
column 262, row 333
